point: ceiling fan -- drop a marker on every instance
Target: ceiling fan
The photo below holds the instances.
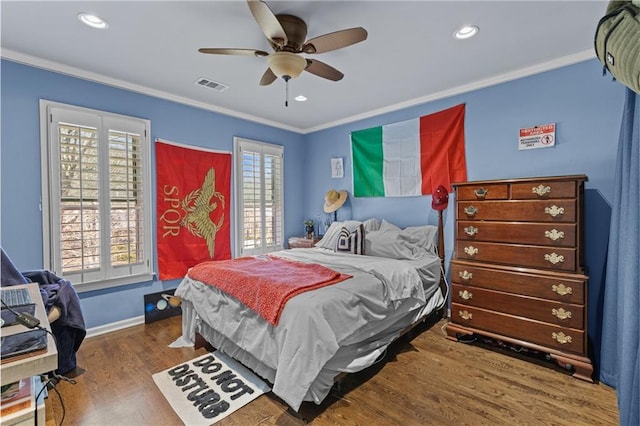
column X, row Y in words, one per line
column 287, row 35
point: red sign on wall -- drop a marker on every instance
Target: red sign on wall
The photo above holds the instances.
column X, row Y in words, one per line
column 542, row 136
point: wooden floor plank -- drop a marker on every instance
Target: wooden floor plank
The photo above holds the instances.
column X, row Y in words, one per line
column 424, row 380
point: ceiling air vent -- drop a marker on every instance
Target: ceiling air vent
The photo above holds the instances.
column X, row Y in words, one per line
column 202, row 81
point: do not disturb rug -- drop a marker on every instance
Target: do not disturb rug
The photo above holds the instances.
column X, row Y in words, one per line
column 209, row 388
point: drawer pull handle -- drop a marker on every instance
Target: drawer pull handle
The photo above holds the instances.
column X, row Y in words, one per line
column 561, row 337
column 471, row 230
column 465, row 275
column 466, row 295
column 541, row 190
column 465, row 315
column 562, row 289
column 553, row 258
column 554, row 210
column 561, row 313
column 471, row 250
column 554, row 234
column 470, row 210
column 481, row 193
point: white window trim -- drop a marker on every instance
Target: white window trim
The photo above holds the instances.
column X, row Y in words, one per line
column 240, row 144
column 47, row 218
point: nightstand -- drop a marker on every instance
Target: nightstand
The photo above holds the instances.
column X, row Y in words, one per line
column 302, row 242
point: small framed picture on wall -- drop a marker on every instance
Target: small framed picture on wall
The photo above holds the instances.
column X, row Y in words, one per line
column 337, row 168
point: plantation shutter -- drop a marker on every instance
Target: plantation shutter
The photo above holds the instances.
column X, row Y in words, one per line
column 259, row 197
column 126, row 197
column 99, row 189
column 80, row 239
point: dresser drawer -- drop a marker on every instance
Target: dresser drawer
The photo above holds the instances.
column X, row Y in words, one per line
column 550, row 234
column 550, row 287
column 553, row 258
column 483, row 192
column 552, row 336
column 519, row 211
column 543, row 190
column 549, row 311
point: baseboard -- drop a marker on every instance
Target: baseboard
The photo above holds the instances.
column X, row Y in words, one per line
column 114, row 326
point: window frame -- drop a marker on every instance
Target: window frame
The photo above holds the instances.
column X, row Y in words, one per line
column 239, row 146
column 108, row 275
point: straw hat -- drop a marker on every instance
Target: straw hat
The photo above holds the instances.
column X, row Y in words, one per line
column 333, row 200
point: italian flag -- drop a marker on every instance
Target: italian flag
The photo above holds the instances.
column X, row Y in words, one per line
column 411, row 157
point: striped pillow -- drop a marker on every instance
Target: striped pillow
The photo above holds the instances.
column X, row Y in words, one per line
column 351, row 242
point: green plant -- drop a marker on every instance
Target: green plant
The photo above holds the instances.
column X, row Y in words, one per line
column 309, row 223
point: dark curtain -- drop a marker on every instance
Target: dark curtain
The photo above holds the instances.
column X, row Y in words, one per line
column 621, row 323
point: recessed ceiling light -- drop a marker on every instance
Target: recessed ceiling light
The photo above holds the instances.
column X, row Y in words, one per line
column 93, row 21
column 467, row 31
column 300, row 98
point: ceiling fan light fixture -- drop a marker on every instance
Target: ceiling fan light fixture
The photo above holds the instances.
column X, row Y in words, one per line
column 465, row 32
column 94, row 21
column 286, row 64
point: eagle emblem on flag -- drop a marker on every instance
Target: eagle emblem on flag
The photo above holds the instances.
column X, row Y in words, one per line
column 198, row 207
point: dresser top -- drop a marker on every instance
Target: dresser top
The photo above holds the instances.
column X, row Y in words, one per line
column 582, row 178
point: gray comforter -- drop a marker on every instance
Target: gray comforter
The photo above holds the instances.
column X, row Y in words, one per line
column 335, row 326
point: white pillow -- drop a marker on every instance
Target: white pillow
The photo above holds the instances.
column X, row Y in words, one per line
column 330, row 238
column 426, row 235
column 384, row 226
column 393, row 244
column 371, row 225
column 413, row 242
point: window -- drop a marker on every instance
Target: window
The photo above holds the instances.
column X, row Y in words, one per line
column 259, row 197
column 96, row 196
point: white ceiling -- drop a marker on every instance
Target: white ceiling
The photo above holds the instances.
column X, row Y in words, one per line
column 410, row 55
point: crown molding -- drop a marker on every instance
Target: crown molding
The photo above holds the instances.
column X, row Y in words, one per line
column 480, row 84
column 99, row 78
column 121, row 84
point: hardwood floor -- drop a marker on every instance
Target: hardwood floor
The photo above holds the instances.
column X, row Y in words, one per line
column 427, row 380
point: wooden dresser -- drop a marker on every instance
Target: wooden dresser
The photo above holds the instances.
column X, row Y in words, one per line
column 517, row 274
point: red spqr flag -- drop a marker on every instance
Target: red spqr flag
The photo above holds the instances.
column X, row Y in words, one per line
column 193, row 207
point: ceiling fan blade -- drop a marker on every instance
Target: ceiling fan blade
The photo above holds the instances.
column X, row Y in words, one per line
column 268, row 22
column 268, row 77
column 243, row 52
column 323, row 70
column 335, row 40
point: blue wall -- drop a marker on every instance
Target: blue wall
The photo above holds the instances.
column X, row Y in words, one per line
column 21, row 220
column 586, row 107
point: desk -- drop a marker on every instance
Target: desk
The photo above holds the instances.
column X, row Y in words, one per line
column 12, row 371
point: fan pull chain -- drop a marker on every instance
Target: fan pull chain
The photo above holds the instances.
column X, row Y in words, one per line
column 286, row 100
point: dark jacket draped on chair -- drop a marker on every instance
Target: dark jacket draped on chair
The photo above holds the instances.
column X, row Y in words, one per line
column 69, row 329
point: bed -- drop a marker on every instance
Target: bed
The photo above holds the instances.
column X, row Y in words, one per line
column 326, row 332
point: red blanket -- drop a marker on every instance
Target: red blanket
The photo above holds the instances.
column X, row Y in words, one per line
column 265, row 283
